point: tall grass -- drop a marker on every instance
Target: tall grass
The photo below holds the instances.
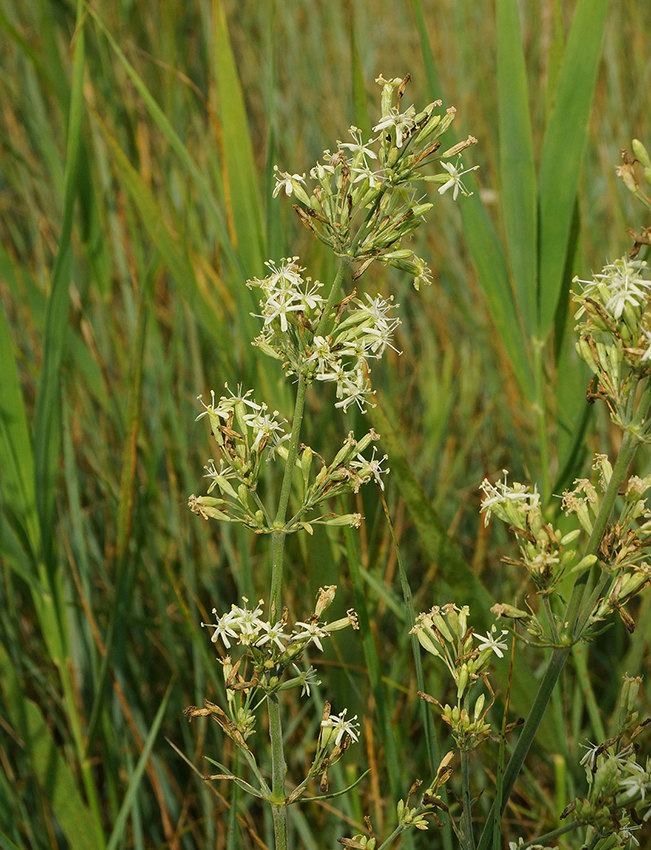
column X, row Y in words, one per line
column 138, row 142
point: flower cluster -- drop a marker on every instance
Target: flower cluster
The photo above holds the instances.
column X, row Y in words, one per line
column 615, row 805
column 444, row 633
column 625, row 544
column 615, row 335
column 362, row 203
column 545, row 552
column 335, row 348
column 271, row 647
column 247, row 435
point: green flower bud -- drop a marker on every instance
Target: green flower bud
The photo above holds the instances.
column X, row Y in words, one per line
column 462, row 680
column 306, row 464
column 479, row 707
column 641, row 153
column 630, row 690
column 570, row 537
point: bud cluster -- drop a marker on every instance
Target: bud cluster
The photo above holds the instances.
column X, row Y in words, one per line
column 354, row 333
column 626, row 172
column 247, row 435
column 444, row 632
column 625, row 543
column 545, row 552
column 615, row 336
column 272, row 647
column 615, row 806
column 362, row 203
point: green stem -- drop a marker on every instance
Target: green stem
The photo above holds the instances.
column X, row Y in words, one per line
column 540, row 418
column 278, row 768
column 574, row 622
column 466, row 824
column 278, row 796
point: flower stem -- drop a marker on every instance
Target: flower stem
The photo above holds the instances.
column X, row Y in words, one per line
column 466, row 823
column 574, row 622
column 278, row 792
column 540, row 417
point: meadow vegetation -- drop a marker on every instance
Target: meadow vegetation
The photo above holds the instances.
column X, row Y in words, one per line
column 139, row 144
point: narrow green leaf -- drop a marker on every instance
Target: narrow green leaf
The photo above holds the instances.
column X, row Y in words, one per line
column 16, row 458
column 238, row 152
column 6, row 843
column 517, row 170
column 484, row 246
column 488, row 258
column 136, row 778
column 154, row 222
column 180, row 149
column 563, row 150
column 55, row 778
column 373, row 667
column 47, row 426
column 127, row 479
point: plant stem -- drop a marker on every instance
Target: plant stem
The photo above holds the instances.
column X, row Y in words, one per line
column 278, row 768
column 466, row 824
column 540, row 417
column 277, row 800
column 574, row 622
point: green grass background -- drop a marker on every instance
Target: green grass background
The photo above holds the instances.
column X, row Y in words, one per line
column 135, row 188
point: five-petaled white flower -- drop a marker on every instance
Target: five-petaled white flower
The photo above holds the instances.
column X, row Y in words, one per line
column 455, row 179
column 490, row 641
column 289, row 182
column 342, row 726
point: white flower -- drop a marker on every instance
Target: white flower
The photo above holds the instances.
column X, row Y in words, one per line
column 372, row 467
column 274, row 634
column 289, row 182
column 246, row 622
column 321, row 172
column 308, row 677
column 342, row 726
column 222, row 629
column 499, row 494
column 374, row 177
column 635, row 785
column 357, row 146
column 311, row 632
column 647, row 354
column 455, row 179
column 401, row 122
column 494, row 643
column 217, row 475
column 264, row 425
column 353, row 388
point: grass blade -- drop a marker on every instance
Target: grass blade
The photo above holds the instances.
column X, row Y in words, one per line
column 518, row 176
column 16, row 458
column 55, row 778
column 164, row 125
column 136, row 778
column 47, row 426
column 563, row 150
column 484, row 246
column 240, row 171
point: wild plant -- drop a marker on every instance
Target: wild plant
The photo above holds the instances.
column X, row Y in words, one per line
column 363, row 203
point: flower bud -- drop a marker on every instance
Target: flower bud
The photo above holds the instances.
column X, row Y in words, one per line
column 462, row 680
column 641, row 153
column 306, row 464
column 630, row 690
column 479, row 707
